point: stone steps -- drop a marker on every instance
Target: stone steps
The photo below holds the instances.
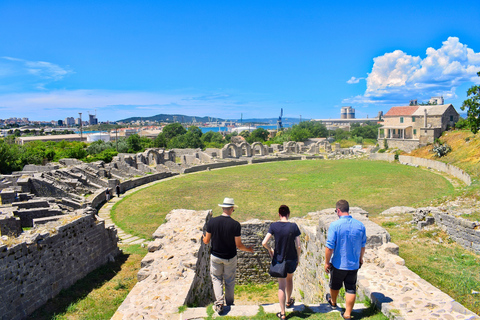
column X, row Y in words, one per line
column 124, row 237
column 252, row 310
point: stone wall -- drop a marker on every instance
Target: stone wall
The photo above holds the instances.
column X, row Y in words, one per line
column 33, row 272
column 253, row 268
column 406, row 145
column 136, row 182
column 464, row 232
column 437, row 165
column 27, row 215
column 175, row 272
column 382, row 156
column 10, row 225
column 271, row 159
column 215, row 165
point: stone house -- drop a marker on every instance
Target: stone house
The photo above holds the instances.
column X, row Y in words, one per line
column 409, row 127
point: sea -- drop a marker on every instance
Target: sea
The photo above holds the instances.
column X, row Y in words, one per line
column 214, row 129
column 227, row 129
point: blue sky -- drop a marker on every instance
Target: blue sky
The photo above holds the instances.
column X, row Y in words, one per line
column 227, row 58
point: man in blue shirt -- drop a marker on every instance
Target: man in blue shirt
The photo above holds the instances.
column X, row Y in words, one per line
column 344, row 252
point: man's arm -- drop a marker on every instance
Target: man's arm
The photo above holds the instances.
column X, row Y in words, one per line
column 362, row 252
column 207, row 237
column 239, row 244
column 328, row 256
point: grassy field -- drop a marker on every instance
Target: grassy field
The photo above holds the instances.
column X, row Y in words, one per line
column 259, row 190
column 440, row 260
column 100, row 293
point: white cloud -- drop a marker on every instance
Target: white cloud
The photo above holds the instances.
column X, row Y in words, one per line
column 354, row 80
column 397, row 77
column 33, row 74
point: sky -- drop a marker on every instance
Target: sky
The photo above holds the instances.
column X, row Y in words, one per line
column 232, row 59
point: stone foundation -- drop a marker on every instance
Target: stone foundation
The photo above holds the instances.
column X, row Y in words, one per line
column 36, row 270
column 175, row 272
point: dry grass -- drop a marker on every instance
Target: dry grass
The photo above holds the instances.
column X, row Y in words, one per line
column 465, row 152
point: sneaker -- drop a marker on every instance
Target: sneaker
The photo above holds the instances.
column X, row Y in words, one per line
column 218, row 308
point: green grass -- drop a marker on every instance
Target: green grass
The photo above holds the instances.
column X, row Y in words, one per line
column 100, row 293
column 435, row 257
column 256, row 293
column 305, row 186
column 368, row 314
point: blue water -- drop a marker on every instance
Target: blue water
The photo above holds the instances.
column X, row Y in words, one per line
column 223, row 129
column 205, row 129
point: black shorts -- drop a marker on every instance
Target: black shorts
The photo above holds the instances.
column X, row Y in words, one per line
column 340, row 277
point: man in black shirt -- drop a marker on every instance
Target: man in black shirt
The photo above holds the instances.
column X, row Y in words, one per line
column 225, row 234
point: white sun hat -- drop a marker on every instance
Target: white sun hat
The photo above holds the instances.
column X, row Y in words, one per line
column 227, row 203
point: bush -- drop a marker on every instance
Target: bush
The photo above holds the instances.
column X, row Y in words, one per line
column 441, row 150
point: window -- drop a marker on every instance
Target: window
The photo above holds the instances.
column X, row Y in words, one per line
column 451, row 118
column 414, row 132
column 401, row 119
column 393, row 131
column 413, row 119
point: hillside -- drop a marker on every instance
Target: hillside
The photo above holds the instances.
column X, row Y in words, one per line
column 465, row 152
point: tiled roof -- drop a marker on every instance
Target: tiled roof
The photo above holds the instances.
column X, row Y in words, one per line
column 435, row 110
column 401, row 111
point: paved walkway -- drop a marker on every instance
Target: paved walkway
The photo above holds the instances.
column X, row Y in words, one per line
column 104, row 213
column 252, row 310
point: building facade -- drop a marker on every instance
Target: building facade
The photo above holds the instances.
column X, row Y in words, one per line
column 409, row 127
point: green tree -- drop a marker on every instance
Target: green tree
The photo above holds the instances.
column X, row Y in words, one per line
column 300, row 134
column 172, row 130
column 196, row 131
column 259, row 135
column 134, row 144
column 245, row 134
column 8, row 156
column 341, row 134
column 366, row 131
column 160, row 141
column 211, row 136
column 473, row 106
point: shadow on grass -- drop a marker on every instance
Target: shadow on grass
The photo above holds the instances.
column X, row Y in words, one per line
column 79, row 290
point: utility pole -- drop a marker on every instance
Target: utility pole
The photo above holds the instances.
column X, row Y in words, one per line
column 81, row 135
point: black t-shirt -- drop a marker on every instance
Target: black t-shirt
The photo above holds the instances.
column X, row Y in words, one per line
column 281, row 230
column 224, row 230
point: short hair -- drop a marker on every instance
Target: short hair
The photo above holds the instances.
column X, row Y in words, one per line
column 343, row 205
column 283, row 210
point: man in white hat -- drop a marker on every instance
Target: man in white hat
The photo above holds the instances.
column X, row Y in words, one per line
column 225, row 234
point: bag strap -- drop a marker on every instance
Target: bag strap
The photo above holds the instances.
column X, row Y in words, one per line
column 287, row 245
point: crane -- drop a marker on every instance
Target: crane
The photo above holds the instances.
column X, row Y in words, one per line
column 279, row 121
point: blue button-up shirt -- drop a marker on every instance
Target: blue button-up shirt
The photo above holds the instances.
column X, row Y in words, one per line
column 346, row 237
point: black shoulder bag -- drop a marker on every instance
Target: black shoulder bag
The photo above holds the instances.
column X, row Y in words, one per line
column 278, row 269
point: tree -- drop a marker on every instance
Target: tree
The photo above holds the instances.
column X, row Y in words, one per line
column 259, row 135
column 245, row 134
column 473, row 105
column 160, row 141
column 300, row 134
column 133, row 143
column 172, row 130
column 195, row 130
column 212, row 136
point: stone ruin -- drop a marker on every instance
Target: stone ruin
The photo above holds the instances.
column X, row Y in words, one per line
column 51, row 195
column 175, row 272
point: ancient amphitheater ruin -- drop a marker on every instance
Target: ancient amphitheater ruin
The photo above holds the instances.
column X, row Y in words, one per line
column 52, row 236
